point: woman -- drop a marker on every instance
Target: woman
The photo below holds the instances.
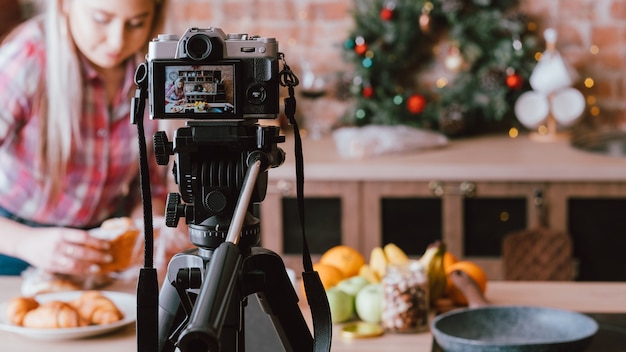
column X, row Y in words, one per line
column 176, row 93
column 68, row 152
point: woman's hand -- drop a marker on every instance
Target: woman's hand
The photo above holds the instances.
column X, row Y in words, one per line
column 65, row 251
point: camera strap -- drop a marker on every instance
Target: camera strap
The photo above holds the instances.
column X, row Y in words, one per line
column 147, row 284
column 315, row 293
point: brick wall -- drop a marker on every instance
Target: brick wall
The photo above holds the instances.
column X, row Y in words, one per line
column 313, row 31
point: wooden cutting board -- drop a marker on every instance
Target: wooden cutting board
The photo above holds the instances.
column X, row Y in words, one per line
column 538, row 254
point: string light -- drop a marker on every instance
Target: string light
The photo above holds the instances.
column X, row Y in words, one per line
column 591, row 100
column 543, row 129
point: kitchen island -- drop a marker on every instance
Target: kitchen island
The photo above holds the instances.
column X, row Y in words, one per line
column 589, row 297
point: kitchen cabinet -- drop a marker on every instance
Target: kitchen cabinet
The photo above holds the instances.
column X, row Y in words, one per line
column 471, row 222
column 336, row 219
column 202, row 85
column 470, row 194
column 593, row 214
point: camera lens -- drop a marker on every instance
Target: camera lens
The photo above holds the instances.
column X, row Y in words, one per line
column 198, row 47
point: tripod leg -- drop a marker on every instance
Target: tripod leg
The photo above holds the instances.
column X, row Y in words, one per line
column 264, row 273
column 169, row 316
column 232, row 337
column 171, row 312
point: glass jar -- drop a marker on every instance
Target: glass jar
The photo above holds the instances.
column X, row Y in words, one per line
column 405, row 304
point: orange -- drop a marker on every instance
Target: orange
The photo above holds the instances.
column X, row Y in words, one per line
column 474, row 271
column 329, row 275
column 344, row 258
column 449, row 259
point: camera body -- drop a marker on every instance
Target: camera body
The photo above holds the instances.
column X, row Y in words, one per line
column 207, row 74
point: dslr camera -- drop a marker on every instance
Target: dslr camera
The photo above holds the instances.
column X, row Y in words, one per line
column 207, row 74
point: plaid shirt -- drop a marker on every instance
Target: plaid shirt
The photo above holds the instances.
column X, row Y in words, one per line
column 102, row 167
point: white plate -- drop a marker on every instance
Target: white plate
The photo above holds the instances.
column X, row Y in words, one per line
column 177, row 108
column 124, row 301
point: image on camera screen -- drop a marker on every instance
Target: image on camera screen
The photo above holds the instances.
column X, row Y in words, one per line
column 199, row 89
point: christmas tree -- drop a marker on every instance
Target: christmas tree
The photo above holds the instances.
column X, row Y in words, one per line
column 451, row 65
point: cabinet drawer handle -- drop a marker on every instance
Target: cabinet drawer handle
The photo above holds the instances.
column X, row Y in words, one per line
column 466, row 188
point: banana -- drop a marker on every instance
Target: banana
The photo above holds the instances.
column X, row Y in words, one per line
column 370, row 274
column 395, row 255
column 432, row 259
column 378, row 261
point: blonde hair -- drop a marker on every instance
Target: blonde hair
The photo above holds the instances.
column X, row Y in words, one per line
column 60, row 105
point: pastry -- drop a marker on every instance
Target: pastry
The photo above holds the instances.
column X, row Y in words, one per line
column 18, row 307
column 97, row 309
column 33, row 287
column 90, row 308
column 53, row 314
column 123, row 236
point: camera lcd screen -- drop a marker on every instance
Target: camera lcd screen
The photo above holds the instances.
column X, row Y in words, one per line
column 197, row 91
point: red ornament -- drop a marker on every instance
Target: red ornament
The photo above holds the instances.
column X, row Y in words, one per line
column 416, row 103
column 386, row 14
column 360, row 49
column 514, row 81
column 368, row 92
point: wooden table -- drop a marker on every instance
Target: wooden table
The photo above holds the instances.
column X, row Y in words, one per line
column 583, row 297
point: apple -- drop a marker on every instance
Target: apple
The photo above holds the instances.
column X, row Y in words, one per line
column 341, row 305
column 353, row 285
column 369, row 303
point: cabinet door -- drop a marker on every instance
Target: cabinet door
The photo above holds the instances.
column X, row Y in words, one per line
column 593, row 214
column 405, row 213
column 332, row 215
column 470, row 217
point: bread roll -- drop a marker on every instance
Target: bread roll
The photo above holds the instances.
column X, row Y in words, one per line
column 34, row 287
column 97, row 309
column 18, row 307
column 53, row 314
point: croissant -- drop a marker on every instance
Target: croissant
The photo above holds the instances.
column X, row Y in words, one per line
column 18, row 307
column 96, row 308
column 53, row 314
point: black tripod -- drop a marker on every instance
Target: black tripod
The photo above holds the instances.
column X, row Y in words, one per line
column 221, row 169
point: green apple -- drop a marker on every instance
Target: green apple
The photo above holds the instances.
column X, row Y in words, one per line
column 341, row 305
column 353, row 285
column 369, row 303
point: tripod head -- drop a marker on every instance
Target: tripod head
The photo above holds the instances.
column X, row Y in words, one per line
column 212, row 158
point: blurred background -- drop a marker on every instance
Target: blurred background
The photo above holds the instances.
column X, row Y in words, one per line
column 312, row 33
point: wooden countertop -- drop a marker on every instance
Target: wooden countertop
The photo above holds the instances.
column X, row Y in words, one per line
column 578, row 296
column 483, row 158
